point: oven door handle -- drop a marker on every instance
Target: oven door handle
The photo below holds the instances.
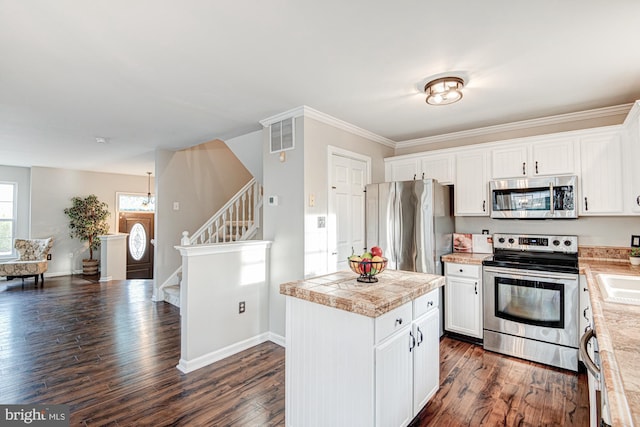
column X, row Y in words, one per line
column 584, row 354
column 518, row 273
column 551, row 198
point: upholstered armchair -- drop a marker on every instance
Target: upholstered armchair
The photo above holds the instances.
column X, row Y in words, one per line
column 32, row 262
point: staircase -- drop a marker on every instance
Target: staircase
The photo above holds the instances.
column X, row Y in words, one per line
column 238, row 219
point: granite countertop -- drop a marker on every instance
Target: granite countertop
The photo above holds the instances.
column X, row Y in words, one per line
column 465, row 258
column 618, row 333
column 341, row 290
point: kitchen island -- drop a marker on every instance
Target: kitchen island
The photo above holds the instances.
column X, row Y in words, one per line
column 361, row 354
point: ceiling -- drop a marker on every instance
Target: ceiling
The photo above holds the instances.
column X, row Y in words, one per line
column 150, row 74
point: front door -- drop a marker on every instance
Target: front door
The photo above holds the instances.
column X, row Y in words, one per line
column 139, row 226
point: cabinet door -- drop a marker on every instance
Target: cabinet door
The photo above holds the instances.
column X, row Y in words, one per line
column 552, row 157
column 463, row 313
column 509, row 162
column 601, row 177
column 440, row 168
column 426, row 359
column 394, row 377
column 472, row 184
column 401, row 170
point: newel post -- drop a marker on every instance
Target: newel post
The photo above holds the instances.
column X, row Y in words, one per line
column 185, row 241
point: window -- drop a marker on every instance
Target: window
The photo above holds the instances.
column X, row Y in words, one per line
column 136, row 203
column 7, row 218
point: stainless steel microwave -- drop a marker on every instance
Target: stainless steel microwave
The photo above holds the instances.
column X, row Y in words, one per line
column 534, row 198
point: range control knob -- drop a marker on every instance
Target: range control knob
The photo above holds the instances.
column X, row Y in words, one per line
column 511, row 240
column 501, row 240
column 556, row 242
column 567, row 242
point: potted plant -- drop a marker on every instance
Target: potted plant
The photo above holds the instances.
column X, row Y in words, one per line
column 634, row 256
column 88, row 220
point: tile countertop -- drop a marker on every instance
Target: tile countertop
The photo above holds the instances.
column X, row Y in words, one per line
column 465, row 258
column 341, row 290
column 618, row 333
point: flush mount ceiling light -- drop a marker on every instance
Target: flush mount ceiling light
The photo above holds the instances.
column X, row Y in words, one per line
column 443, row 91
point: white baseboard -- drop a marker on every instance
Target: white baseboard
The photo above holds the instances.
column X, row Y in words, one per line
column 187, row 366
column 277, row 339
column 106, row 279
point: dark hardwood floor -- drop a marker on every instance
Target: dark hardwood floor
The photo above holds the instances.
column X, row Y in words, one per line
column 110, row 353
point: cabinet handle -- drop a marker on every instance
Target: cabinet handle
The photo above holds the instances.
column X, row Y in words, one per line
column 484, row 206
column 399, row 321
column 430, row 304
column 585, row 289
column 461, row 270
column 586, row 204
column 420, row 336
column 476, row 288
column 524, row 169
column 413, row 342
column 638, row 200
column 422, row 175
column 536, row 167
column 584, row 313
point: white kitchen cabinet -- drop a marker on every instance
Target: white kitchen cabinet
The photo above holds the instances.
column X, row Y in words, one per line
column 346, row 369
column 541, row 157
column 601, row 182
column 463, row 299
column 401, row 170
column 439, row 167
column 632, row 159
column 472, row 183
column 585, row 306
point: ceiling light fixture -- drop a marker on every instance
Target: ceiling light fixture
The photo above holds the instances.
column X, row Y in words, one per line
column 443, row 91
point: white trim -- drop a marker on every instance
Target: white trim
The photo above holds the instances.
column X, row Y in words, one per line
column 216, row 248
column 106, row 279
column 524, row 124
column 330, row 120
column 277, row 339
column 186, row 366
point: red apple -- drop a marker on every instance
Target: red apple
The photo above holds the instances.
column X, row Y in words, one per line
column 376, row 251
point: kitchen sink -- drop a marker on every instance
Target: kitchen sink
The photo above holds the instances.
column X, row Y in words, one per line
column 619, row 288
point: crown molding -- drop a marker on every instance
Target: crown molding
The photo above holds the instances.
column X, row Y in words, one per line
column 524, row 124
column 330, row 120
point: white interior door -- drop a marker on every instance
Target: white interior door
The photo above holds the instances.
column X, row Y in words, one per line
column 346, row 209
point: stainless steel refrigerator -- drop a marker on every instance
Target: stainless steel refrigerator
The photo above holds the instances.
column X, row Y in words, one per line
column 411, row 221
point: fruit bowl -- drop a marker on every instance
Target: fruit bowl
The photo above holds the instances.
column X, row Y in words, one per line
column 367, row 269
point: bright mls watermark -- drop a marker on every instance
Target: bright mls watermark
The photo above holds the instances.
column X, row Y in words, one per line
column 34, row 415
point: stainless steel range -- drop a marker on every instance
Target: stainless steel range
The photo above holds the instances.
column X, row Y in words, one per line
column 531, row 298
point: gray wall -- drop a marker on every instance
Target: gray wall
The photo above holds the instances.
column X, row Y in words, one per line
column 289, row 225
column 201, row 179
column 22, row 177
column 51, row 192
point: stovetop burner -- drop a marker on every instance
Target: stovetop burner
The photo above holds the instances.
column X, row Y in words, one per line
column 535, row 252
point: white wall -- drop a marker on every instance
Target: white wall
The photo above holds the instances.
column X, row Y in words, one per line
column 51, row 192
column 21, row 177
column 248, row 148
column 201, row 179
column 292, row 226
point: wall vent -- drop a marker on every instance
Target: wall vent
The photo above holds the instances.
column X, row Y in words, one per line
column 282, row 135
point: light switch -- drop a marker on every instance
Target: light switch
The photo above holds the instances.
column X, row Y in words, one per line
column 176, row 206
column 272, row 200
column 312, row 200
column 322, row 222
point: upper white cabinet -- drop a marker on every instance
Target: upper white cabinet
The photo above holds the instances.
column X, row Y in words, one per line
column 472, row 183
column 601, row 174
column 632, row 167
column 534, row 158
column 439, row 167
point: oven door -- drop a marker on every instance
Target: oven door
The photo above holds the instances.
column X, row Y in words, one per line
column 532, row 304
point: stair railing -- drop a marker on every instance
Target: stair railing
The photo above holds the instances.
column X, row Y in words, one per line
column 237, row 220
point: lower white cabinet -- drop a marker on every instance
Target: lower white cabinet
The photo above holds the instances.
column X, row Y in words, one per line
column 463, row 299
column 345, row 369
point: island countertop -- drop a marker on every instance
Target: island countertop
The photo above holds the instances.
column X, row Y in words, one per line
column 341, row 290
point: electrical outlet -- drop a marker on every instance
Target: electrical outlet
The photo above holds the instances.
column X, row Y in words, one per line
column 241, row 307
column 48, row 257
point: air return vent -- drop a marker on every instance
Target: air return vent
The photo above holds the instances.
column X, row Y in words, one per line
column 282, row 135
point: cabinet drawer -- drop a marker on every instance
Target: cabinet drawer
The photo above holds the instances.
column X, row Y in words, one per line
column 393, row 321
column 462, row 270
column 426, row 302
